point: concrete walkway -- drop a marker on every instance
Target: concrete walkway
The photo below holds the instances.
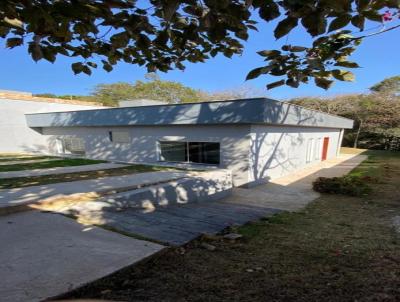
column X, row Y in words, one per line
column 177, row 224
column 34, row 194
column 59, row 170
column 294, row 192
column 43, row 255
column 28, row 161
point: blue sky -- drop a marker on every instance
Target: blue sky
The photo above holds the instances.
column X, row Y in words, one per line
column 377, row 56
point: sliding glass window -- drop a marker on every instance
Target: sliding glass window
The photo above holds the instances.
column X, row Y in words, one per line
column 204, row 153
column 192, row 152
column 173, row 151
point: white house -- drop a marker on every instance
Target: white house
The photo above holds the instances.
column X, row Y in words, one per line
column 257, row 139
column 15, row 135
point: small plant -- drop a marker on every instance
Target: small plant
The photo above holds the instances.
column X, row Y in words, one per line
column 346, row 185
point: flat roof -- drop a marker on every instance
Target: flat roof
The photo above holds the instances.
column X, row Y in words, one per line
column 242, row 111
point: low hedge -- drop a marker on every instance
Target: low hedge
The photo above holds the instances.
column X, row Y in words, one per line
column 346, row 185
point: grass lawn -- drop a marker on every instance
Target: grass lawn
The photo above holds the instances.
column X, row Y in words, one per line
column 19, row 182
column 66, row 162
column 339, row 248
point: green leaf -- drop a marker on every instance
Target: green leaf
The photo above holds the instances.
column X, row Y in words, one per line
column 49, row 54
column 285, row 26
column 292, row 83
column 269, row 53
column 13, row 42
column 358, row 21
column 275, row 84
column 339, row 22
column 86, row 70
column 373, row 15
column 269, row 10
column 297, row 48
column 343, row 75
column 347, row 64
column 362, row 4
column 255, row 73
column 36, row 52
column 77, row 67
column 323, row 83
column 242, row 35
column 107, row 67
column 315, row 23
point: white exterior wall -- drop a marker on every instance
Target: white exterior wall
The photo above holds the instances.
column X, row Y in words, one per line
column 233, row 139
column 254, row 153
column 276, row 151
column 15, row 135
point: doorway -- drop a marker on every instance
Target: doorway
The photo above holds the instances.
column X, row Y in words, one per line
column 325, row 148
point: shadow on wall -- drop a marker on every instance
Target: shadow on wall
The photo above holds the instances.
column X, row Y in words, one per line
column 238, row 111
column 242, row 158
column 155, row 222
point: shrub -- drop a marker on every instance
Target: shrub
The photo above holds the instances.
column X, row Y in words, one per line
column 346, row 185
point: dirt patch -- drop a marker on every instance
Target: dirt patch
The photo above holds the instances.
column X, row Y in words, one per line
column 339, row 248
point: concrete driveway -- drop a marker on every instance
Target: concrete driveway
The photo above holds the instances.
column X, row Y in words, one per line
column 176, row 224
column 43, row 255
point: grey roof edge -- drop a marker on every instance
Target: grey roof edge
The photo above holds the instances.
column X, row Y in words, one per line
column 206, row 102
column 239, row 111
column 168, row 104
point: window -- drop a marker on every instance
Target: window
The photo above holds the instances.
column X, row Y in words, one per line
column 318, row 150
column 309, row 154
column 71, row 145
column 207, row 153
column 193, row 152
column 119, row 136
column 173, row 151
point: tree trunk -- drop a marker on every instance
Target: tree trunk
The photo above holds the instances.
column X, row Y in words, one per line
column 358, row 134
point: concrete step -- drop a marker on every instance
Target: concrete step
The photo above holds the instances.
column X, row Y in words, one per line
column 73, row 198
column 176, row 189
column 209, row 186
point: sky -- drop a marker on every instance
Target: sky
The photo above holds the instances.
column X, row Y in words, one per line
column 377, row 56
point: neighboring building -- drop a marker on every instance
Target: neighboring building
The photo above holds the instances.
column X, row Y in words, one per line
column 15, row 135
column 258, row 139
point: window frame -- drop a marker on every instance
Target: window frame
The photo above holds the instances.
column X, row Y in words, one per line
column 111, row 137
column 62, row 145
column 187, row 153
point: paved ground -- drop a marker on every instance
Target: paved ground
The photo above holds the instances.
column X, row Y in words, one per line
column 295, row 191
column 59, row 170
column 43, row 255
column 178, row 224
column 21, row 196
column 47, row 254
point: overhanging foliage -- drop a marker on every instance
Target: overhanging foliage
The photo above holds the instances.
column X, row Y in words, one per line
column 165, row 34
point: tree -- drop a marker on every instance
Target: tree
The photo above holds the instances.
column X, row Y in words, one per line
column 240, row 92
column 390, row 86
column 376, row 116
column 156, row 89
column 164, row 35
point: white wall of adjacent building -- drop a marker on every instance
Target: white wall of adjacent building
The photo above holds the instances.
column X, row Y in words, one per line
column 15, row 135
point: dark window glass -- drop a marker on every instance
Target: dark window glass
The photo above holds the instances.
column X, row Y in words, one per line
column 173, row 151
column 204, row 153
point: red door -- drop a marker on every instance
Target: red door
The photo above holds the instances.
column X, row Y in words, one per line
column 325, row 148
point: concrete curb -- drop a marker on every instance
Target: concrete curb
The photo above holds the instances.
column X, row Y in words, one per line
column 88, row 196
